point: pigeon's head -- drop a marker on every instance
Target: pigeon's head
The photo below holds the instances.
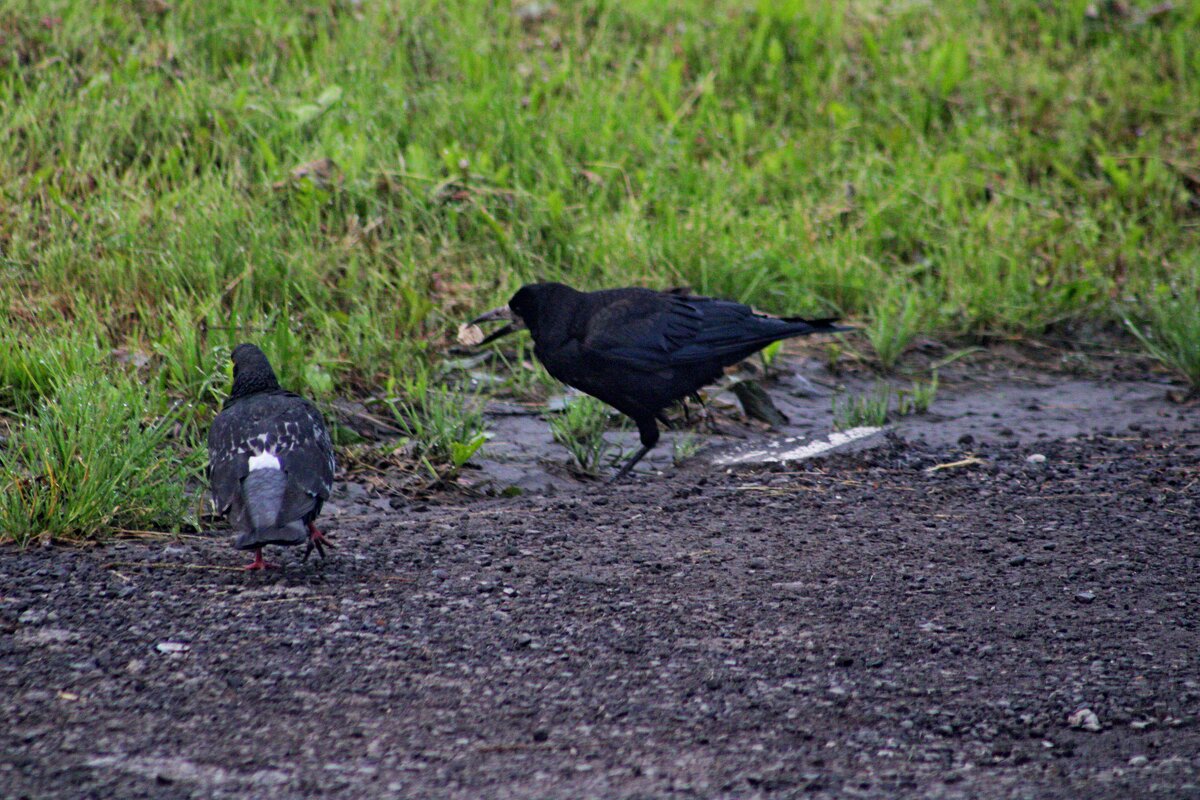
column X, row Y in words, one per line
column 252, row 372
column 529, row 307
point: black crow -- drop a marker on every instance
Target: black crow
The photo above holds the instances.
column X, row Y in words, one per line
column 270, row 460
column 639, row 350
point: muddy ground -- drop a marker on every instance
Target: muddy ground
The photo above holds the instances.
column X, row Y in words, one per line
column 968, row 606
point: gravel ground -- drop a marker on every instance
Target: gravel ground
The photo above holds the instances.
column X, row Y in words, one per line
column 864, row 626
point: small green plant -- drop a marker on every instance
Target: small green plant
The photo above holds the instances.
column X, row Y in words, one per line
column 896, row 318
column 833, row 357
column 580, row 428
column 869, row 409
column 917, row 398
column 86, row 465
column 684, row 446
column 1170, row 331
column 770, row 354
column 444, row 428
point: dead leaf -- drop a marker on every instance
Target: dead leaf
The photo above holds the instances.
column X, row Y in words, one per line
column 535, row 13
column 591, row 178
column 322, row 173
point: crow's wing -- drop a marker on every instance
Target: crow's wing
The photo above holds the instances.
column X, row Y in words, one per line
column 652, row 330
column 284, row 425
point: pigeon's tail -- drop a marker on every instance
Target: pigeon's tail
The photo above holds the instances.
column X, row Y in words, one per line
column 828, row 325
column 263, row 493
column 293, row 533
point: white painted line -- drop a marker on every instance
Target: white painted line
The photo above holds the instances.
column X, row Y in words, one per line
column 813, row 448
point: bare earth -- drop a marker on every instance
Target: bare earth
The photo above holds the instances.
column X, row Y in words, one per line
column 865, row 624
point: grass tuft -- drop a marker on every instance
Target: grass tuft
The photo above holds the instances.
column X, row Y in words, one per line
column 685, row 445
column 870, row 409
column 918, row 397
column 1170, row 331
column 444, row 429
column 87, row 465
column 580, row 428
column 873, row 408
column 896, row 318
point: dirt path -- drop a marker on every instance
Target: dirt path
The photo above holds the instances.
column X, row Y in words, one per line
column 863, row 626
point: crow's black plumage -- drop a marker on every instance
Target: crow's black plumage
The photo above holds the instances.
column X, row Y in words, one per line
column 639, row 350
column 270, row 460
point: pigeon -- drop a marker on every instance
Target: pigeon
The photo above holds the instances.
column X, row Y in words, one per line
column 270, row 461
column 640, row 350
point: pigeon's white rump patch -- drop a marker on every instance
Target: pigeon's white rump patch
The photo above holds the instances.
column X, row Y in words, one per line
column 264, row 461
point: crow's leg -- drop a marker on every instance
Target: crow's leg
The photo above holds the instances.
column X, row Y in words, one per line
column 621, row 473
column 705, row 415
column 648, row 431
column 258, row 562
column 317, row 540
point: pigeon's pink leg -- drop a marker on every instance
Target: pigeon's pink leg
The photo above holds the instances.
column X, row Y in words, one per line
column 258, row 562
column 316, row 539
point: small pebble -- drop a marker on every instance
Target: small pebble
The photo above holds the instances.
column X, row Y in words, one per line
column 1085, row 597
column 1084, row 719
column 1036, row 458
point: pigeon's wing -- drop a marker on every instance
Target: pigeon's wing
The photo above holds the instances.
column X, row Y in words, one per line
column 285, row 426
column 228, row 458
column 305, row 453
column 651, row 331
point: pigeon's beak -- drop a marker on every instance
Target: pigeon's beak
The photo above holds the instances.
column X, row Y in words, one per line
column 515, row 323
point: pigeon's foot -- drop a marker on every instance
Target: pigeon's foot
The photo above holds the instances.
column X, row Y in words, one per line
column 258, row 562
column 316, row 540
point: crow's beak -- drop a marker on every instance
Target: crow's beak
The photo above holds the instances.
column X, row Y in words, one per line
column 515, row 323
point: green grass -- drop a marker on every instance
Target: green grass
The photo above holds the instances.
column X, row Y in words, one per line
column 1169, row 328
column 444, row 428
column 580, row 429
column 874, row 407
column 684, row 446
column 86, row 464
column 918, row 397
column 1008, row 165
column 867, row 409
column 895, row 319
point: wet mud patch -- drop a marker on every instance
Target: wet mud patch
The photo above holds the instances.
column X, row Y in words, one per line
column 1009, row 405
